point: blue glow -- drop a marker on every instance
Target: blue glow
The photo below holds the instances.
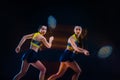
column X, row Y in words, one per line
column 105, row 51
column 51, row 22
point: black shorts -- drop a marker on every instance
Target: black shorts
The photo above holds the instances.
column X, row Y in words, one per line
column 30, row 55
column 67, row 56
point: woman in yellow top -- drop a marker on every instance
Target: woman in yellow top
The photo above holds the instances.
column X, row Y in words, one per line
column 30, row 56
column 67, row 58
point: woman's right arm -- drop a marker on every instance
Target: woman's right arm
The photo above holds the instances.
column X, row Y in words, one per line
column 24, row 38
column 76, row 48
column 72, row 42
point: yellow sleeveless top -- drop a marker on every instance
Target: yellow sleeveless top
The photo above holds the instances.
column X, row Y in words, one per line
column 76, row 42
column 34, row 42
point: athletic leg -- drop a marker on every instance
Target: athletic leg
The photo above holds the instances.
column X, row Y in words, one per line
column 24, row 68
column 40, row 67
column 62, row 69
column 76, row 68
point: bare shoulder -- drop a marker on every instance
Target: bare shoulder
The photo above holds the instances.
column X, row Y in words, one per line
column 41, row 37
column 70, row 39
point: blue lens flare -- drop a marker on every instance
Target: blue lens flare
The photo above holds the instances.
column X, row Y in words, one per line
column 51, row 22
column 105, row 51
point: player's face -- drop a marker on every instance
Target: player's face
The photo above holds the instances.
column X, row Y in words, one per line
column 43, row 30
column 77, row 30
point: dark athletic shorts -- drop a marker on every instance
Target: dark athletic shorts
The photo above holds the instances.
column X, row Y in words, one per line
column 67, row 56
column 30, row 55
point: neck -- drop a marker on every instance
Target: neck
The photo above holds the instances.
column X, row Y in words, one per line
column 77, row 35
column 40, row 33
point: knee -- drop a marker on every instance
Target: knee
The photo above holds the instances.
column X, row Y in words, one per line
column 23, row 72
column 58, row 75
column 78, row 71
column 43, row 70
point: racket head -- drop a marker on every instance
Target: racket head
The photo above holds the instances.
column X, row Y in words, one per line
column 105, row 51
column 51, row 22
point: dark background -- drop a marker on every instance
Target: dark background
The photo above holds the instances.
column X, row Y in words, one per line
column 100, row 18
